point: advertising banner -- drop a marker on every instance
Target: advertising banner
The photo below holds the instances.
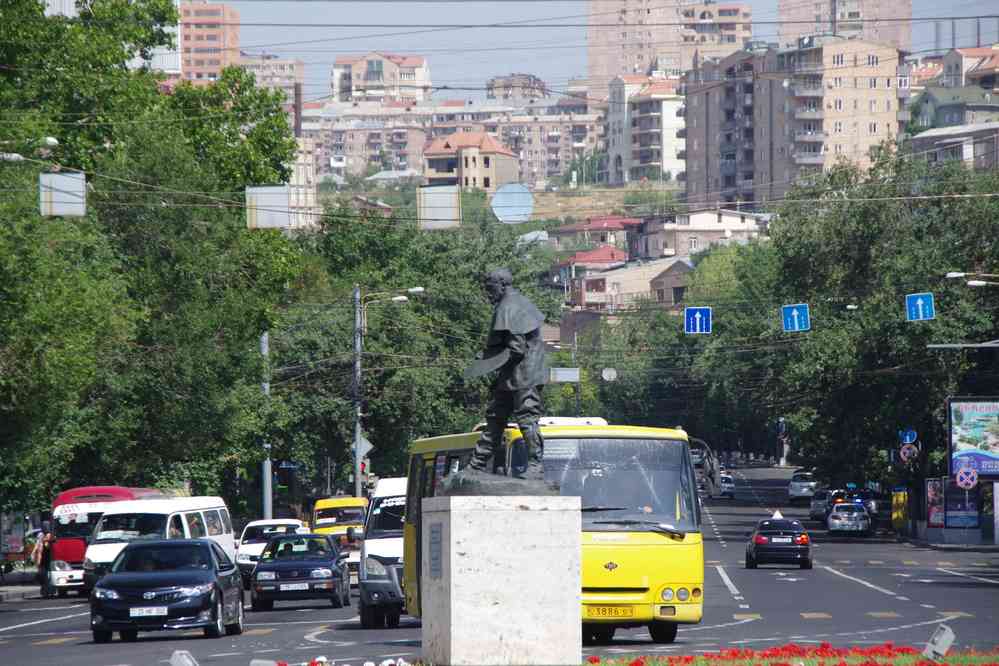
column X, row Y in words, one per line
column 935, row 502
column 961, row 507
column 973, row 440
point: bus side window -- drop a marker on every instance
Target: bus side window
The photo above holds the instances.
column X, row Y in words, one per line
column 226, row 521
column 413, row 501
column 214, row 522
column 427, row 482
column 176, row 529
column 195, row 524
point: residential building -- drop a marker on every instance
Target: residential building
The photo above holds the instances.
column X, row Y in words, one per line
column 65, row 8
column 976, row 66
column 670, row 287
column 685, row 234
column 880, row 21
column 352, row 147
column 610, row 230
column 584, row 262
column 547, row 145
column 275, row 73
column 626, row 37
column 759, row 121
column 949, row 107
column 164, row 59
column 620, row 287
column 381, row 77
column 372, row 205
column 209, row 40
column 516, row 86
column 977, row 145
column 644, row 136
column 305, row 210
column 472, row 160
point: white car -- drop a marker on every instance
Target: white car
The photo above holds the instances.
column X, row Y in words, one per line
column 254, row 538
column 801, row 488
column 851, row 518
column 727, row 486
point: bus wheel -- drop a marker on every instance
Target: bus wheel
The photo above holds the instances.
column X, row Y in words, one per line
column 663, row 632
column 603, row 635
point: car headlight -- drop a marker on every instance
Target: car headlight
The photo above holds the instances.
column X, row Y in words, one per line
column 265, row 575
column 682, row 594
column 195, row 590
column 373, row 568
column 105, row 593
column 322, row 573
column 60, row 565
column 667, row 594
column 88, row 565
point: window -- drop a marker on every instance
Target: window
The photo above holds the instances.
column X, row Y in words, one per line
column 176, row 530
column 838, row 105
column 195, row 524
column 226, row 522
column 485, row 163
column 485, row 182
column 837, row 82
column 872, row 83
column 872, row 128
column 838, row 127
column 466, row 181
column 213, row 522
column 220, row 557
column 466, row 165
column 887, row 105
column 872, row 105
column 872, row 60
column 678, row 293
column 692, row 243
column 838, row 59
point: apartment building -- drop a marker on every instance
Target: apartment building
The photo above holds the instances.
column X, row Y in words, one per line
column 862, row 19
column 473, row 160
column 758, row 121
column 351, row 148
column 627, row 37
column 610, row 230
column 380, row 77
column 209, row 40
column 977, row 145
column 977, row 66
column 693, row 231
column 620, row 287
column 516, row 86
column 644, row 136
column 547, row 145
column 275, row 73
column 948, row 107
column 305, row 209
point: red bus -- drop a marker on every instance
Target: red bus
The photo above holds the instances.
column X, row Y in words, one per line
column 74, row 514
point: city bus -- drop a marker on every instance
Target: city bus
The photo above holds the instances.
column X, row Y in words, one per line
column 642, row 553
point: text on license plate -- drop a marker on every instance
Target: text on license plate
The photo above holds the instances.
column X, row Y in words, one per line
column 147, row 611
column 782, row 539
column 609, row 611
column 289, row 587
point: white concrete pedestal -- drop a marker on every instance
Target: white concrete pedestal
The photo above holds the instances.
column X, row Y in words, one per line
column 501, row 581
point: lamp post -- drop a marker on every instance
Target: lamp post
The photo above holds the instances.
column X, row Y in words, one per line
column 361, row 303
column 43, row 146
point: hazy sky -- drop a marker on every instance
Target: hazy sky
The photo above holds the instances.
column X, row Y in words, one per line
column 468, row 57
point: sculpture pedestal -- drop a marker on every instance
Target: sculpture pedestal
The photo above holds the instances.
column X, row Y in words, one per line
column 501, row 581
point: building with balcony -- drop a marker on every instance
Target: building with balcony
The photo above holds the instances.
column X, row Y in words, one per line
column 976, row 145
column 547, row 146
column 684, row 234
column 949, row 107
column 618, row 288
column 609, row 230
column 472, row 160
column 209, row 40
column 275, row 73
column 976, row 66
column 516, row 86
column 860, row 19
column 643, row 135
column 380, row 77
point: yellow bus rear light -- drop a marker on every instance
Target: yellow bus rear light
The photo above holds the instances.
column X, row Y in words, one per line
column 667, row 611
column 696, row 593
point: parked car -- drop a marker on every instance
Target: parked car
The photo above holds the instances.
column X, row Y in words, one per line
column 801, row 487
column 727, row 486
column 254, row 538
column 300, row 566
column 869, row 500
column 819, row 504
column 175, row 584
column 779, row 541
column 849, row 517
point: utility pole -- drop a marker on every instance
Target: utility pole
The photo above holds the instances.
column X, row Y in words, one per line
column 265, row 472
column 357, row 389
column 575, row 341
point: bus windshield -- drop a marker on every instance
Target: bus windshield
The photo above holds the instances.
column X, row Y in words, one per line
column 130, row 526
column 624, row 483
column 385, row 517
column 75, row 525
column 346, row 515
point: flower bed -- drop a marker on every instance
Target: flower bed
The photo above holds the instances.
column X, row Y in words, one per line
column 798, row 655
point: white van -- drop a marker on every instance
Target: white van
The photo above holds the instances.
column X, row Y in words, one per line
column 173, row 518
column 380, row 571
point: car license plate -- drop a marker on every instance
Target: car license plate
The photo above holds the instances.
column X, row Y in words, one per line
column 147, row 611
column 609, row 611
column 781, row 539
column 291, row 587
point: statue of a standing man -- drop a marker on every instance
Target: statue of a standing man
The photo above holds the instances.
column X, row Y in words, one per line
column 514, row 348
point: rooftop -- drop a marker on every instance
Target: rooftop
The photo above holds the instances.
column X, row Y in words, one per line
column 604, row 254
column 957, row 130
column 452, row 143
column 608, row 223
column 400, row 60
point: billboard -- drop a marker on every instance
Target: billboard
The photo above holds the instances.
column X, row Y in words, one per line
column 961, row 508
column 935, row 502
column 438, row 206
column 973, row 439
column 268, row 207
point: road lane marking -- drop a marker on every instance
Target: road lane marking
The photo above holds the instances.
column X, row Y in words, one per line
column 861, row 581
column 901, row 598
column 958, row 573
column 224, row 654
column 883, row 615
column 719, row 626
column 47, row 608
column 875, row 561
column 747, row 616
column 51, row 619
column 927, row 606
column 979, row 564
column 258, row 632
column 55, row 641
column 844, row 562
column 946, row 564
column 816, row 616
column 728, row 581
column 955, row 613
column 910, row 563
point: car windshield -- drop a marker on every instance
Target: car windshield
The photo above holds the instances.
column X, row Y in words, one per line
column 263, row 533
column 778, row 525
column 623, row 481
column 847, row 508
column 342, row 515
column 131, row 526
column 802, row 478
column 385, row 517
column 298, row 547
column 158, row 558
column 78, row 525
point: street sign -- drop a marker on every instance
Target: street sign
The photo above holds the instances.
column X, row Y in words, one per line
column 908, row 452
column 797, row 318
column 609, row 374
column 563, row 375
column 920, row 307
column 697, row 321
column 907, row 436
column 365, row 447
column 967, row 478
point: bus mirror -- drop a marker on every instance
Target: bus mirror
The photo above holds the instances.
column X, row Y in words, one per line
column 351, row 535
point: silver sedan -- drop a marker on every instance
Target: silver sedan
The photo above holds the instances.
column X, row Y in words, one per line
column 850, row 518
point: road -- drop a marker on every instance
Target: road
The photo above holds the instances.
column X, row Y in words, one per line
column 861, row 592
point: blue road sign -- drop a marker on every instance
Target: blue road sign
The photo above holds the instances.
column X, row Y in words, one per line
column 796, row 318
column 907, row 436
column 919, row 307
column 697, row 321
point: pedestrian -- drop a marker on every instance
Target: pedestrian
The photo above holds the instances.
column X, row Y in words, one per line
column 41, row 556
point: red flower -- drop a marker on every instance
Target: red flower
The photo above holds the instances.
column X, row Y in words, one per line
column 593, row 659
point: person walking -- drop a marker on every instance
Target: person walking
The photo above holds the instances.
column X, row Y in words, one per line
column 42, row 557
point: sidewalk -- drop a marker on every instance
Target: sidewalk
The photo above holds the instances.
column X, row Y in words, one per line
column 19, row 585
column 952, row 547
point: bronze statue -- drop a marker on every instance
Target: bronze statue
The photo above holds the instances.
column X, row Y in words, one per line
column 516, row 352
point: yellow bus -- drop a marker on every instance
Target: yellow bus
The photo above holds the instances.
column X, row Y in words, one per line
column 643, row 557
column 336, row 515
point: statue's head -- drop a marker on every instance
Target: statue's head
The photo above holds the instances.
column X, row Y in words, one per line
column 497, row 283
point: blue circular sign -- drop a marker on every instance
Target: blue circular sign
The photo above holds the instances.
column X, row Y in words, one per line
column 907, row 436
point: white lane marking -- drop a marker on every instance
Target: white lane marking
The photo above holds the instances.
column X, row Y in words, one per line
column 901, row 598
column 927, row 605
column 47, row 608
column 290, row 622
column 958, row 573
column 728, row 581
column 720, row 626
column 224, row 654
column 859, row 580
column 51, row 619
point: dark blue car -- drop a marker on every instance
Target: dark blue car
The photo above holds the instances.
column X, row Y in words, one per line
column 294, row 567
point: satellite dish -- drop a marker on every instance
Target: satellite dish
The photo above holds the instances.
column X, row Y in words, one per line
column 513, row 204
column 609, row 374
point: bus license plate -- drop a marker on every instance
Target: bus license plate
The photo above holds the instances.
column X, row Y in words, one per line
column 609, row 611
column 147, row 611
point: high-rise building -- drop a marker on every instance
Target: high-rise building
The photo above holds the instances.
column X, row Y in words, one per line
column 627, row 37
column 643, row 137
column 759, row 121
column 516, row 86
column 209, row 40
column 380, row 77
column 847, row 18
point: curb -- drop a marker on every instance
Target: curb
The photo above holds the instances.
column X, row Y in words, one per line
column 7, row 596
column 952, row 547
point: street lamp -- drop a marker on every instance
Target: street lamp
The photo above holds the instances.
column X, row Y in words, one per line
column 360, row 324
column 952, row 275
column 44, row 144
column 981, row 283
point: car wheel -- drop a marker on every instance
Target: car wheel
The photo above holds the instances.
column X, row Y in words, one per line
column 129, row 635
column 371, row 617
column 336, row 601
column 807, row 564
column 750, row 562
column 663, row 632
column 236, row 628
column 217, row 628
column 346, row 596
column 392, row 618
column 63, row 594
column 101, row 636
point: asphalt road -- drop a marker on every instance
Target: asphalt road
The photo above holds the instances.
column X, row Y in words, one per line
column 861, row 592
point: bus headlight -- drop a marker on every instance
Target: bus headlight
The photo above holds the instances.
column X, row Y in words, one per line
column 667, row 594
column 373, row 568
column 60, row 565
column 88, row 565
column 682, row 594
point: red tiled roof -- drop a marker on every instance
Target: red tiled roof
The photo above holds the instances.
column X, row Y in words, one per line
column 605, row 254
column 988, row 66
column 667, row 87
column 452, row 143
column 634, row 78
column 977, row 52
column 607, row 223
